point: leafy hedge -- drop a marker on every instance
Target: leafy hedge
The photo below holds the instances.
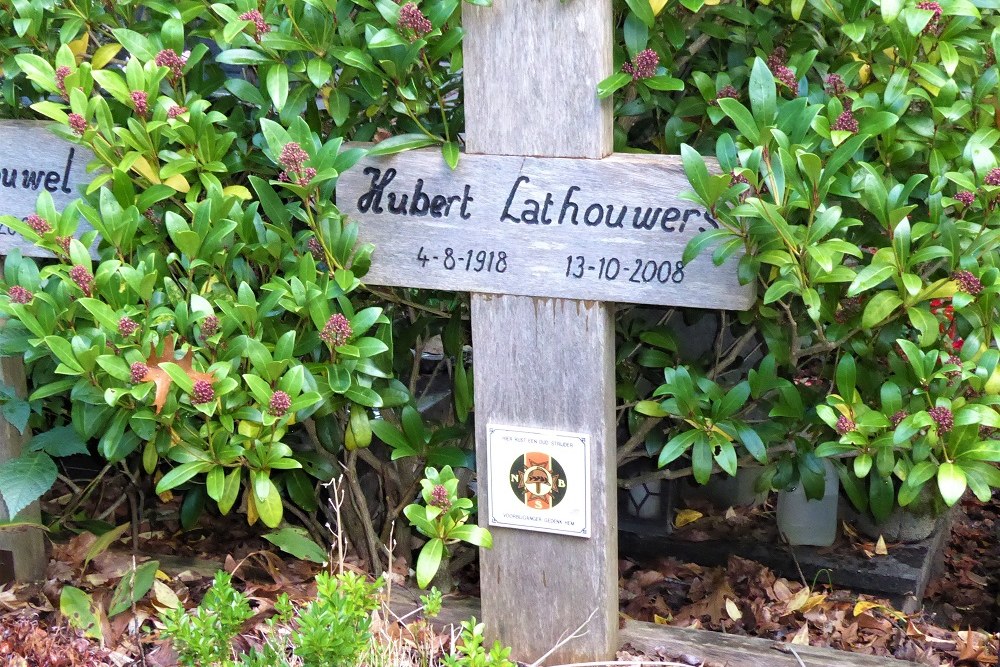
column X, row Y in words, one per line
column 855, row 142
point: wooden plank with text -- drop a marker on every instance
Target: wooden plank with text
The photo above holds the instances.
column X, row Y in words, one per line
column 606, row 230
column 32, row 161
column 547, row 229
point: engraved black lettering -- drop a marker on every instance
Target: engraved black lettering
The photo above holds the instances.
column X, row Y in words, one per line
column 530, row 214
column 400, row 208
column 451, row 200
column 593, row 221
column 438, row 205
column 69, row 166
column 711, row 220
column 546, row 220
column 567, row 203
column 52, row 181
column 691, row 212
column 620, row 223
column 466, row 198
column 372, row 200
column 421, row 204
column 8, row 177
column 646, row 223
column 670, row 215
column 510, row 199
column 32, row 179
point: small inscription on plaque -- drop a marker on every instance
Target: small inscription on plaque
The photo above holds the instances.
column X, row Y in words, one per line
column 606, row 230
column 539, row 479
column 32, row 161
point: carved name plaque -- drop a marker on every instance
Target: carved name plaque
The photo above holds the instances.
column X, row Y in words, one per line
column 32, row 161
column 607, row 230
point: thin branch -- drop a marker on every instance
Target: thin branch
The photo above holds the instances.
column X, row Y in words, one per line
column 733, row 353
column 576, row 634
column 638, row 437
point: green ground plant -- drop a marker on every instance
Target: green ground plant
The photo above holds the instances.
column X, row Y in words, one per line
column 333, row 629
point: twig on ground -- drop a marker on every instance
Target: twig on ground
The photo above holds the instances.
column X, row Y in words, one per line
column 576, row 634
column 624, row 663
column 795, row 560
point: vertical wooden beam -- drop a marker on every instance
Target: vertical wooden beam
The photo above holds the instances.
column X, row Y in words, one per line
column 549, row 363
column 531, row 72
column 25, row 547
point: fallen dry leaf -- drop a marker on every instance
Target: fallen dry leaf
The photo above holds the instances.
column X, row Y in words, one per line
column 684, row 517
column 161, row 379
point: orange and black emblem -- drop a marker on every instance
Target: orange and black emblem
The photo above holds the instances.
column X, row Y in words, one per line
column 538, row 480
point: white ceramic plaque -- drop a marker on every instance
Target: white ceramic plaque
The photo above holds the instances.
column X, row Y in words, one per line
column 539, row 479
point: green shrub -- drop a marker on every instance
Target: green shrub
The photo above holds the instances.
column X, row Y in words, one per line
column 855, row 142
column 221, row 333
column 334, row 629
column 204, row 636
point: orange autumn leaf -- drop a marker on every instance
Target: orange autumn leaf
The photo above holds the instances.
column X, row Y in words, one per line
column 161, row 379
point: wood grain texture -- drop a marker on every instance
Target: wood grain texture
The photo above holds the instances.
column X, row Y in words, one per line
column 609, row 230
column 26, row 546
column 549, row 363
column 32, row 161
column 531, row 72
column 736, row 651
column 673, row 643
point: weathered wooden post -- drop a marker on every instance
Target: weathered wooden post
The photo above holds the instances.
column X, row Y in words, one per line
column 32, row 160
column 547, row 230
column 531, row 74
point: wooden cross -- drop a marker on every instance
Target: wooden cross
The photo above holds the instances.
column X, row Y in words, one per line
column 32, row 161
column 547, row 229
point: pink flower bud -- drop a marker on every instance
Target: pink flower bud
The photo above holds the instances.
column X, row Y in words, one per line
column 966, row 197
column 413, row 20
column 967, row 282
column 336, row 331
column 279, row 403
column 127, row 326
column 61, row 73
column 138, row 372
column 80, row 275
column 845, row 425
column 943, row 417
column 202, row 392
column 77, row 123
column 38, row 224
column 141, row 102
column 20, row 295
